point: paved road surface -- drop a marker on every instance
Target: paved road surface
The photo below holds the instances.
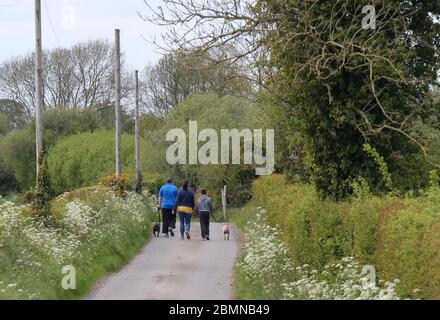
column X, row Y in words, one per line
column 171, row 269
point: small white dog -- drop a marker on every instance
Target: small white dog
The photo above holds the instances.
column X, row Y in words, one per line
column 226, row 231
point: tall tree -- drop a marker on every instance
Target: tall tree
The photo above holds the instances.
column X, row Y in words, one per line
column 15, row 113
column 345, row 85
column 78, row 77
column 180, row 74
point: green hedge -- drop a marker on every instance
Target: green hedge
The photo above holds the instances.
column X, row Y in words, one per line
column 400, row 237
column 84, row 159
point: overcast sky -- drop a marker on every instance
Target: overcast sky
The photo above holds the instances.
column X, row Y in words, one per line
column 66, row 22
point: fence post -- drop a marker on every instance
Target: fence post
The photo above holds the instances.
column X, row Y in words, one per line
column 224, row 203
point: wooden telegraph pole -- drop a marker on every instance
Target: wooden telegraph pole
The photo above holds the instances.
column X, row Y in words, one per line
column 118, row 102
column 38, row 85
column 138, row 138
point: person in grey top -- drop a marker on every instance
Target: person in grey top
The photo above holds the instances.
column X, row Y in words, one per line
column 205, row 209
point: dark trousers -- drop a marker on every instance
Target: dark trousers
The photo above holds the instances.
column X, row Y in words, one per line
column 204, row 216
column 173, row 220
column 166, row 215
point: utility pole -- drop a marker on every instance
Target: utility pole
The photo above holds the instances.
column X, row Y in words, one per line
column 138, row 138
column 38, row 85
column 118, row 102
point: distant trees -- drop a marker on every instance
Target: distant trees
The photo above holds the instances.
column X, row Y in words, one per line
column 348, row 86
column 79, row 77
column 211, row 112
column 181, row 74
column 14, row 113
column 335, row 83
column 18, row 147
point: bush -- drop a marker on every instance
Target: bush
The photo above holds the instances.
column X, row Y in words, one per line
column 18, row 147
column 42, row 194
column 151, row 182
column 8, row 183
column 82, row 160
column 400, row 237
column 265, row 257
column 18, row 154
column 117, row 184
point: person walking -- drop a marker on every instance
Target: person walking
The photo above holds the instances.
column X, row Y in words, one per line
column 167, row 202
column 185, row 204
column 205, row 209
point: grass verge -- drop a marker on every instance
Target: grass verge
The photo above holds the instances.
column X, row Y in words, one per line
column 95, row 232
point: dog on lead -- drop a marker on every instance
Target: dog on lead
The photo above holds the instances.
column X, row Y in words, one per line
column 156, row 227
column 226, row 231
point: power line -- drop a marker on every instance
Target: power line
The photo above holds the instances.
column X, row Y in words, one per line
column 51, row 24
column 11, row 4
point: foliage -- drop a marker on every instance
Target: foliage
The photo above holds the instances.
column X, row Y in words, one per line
column 383, row 168
column 18, row 154
column 150, row 123
column 289, row 143
column 116, row 183
column 181, row 74
column 42, row 194
column 18, row 147
column 13, row 114
column 348, row 86
column 151, row 182
column 8, row 183
column 82, row 160
column 4, row 123
column 338, row 83
column 265, row 257
column 399, row 236
column 434, row 181
column 210, row 112
column 95, row 231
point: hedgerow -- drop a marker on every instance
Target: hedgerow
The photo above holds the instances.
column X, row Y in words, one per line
column 399, row 236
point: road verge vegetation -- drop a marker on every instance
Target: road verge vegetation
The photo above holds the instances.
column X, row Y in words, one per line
column 369, row 247
column 95, row 232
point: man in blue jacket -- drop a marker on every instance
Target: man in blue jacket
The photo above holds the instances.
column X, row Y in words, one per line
column 167, row 202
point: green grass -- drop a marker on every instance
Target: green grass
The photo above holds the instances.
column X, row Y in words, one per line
column 110, row 260
column 25, row 268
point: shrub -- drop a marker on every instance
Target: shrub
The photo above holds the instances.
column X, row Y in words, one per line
column 8, row 182
column 399, row 236
column 266, row 271
column 82, row 160
column 18, row 147
column 117, row 184
column 42, row 194
column 151, row 182
column 18, row 154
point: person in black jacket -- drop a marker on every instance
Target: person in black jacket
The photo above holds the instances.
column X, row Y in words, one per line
column 185, row 204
